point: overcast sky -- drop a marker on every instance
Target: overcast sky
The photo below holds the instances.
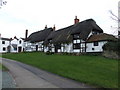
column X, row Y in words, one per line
column 18, row 15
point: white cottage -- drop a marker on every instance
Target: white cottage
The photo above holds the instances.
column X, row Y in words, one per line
column 72, row 39
column 35, row 41
column 4, row 45
column 77, row 38
column 96, row 42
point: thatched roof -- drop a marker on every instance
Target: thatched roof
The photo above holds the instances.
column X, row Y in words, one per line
column 60, row 36
column 85, row 27
column 39, row 35
column 101, row 37
column 65, row 35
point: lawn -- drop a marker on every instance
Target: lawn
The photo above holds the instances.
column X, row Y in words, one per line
column 93, row 70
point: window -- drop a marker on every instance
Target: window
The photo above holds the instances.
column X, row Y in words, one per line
column 58, row 46
column 76, row 36
column 20, row 42
column 3, row 42
column 93, row 49
column 76, row 46
column 95, row 43
column 4, row 49
column 15, row 49
column 76, row 41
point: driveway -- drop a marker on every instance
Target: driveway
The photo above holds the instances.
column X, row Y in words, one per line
column 27, row 76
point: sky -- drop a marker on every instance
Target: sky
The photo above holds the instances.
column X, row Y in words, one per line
column 18, row 15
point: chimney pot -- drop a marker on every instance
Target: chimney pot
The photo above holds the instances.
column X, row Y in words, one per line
column 76, row 20
column 14, row 37
column 45, row 26
column 54, row 28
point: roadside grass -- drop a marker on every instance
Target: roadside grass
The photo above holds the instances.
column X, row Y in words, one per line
column 93, row 70
column 3, row 68
column 0, row 66
column 0, row 55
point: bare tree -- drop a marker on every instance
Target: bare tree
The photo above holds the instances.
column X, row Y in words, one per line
column 116, row 18
column 2, row 2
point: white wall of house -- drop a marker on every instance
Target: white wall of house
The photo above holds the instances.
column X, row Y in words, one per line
column 45, row 48
column 15, row 42
column 27, row 46
column 32, row 46
column 91, row 48
column 3, row 47
column 66, row 48
column 69, row 48
column 20, row 45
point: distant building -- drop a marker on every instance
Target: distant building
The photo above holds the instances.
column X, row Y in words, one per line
column 4, row 45
column 11, row 45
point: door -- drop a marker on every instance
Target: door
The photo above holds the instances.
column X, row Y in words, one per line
column 19, row 49
column 36, row 47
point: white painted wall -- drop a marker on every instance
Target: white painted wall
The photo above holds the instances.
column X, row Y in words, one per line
column 14, row 41
column 98, row 48
column 32, row 46
column 68, row 48
column 7, row 43
column 21, row 44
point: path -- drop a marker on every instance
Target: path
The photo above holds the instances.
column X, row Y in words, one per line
column 27, row 76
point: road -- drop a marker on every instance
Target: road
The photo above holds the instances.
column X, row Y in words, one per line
column 27, row 76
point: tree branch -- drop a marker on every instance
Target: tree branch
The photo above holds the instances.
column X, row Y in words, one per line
column 115, row 17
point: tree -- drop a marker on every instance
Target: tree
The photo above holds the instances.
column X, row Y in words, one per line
column 2, row 3
column 116, row 18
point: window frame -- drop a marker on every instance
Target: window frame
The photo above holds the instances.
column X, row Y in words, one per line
column 4, row 48
column 76, row 46
column 3, row 42
column 96, row 43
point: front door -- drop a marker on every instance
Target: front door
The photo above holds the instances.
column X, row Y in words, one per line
column 19, row 49
column 36, row 47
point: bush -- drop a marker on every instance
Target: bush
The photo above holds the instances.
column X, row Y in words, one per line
column 112, row 46
column 112, row 49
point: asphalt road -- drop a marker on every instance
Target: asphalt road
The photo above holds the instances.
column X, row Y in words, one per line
column 27, row 76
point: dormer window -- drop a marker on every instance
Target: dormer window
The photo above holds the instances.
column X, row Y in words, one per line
column 94, row 32
column 76, row 36
column 95, row 43
column 50, row 40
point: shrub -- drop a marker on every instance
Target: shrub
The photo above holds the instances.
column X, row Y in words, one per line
column 112, row 46
column 112, row 49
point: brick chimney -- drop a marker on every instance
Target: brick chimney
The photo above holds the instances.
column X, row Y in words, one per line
column 45, row 26
column 54, row 28
column 26, row 34
column 76, row 20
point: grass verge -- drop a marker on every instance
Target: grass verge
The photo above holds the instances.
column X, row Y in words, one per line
column 2, row 67
column 93, row 70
